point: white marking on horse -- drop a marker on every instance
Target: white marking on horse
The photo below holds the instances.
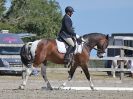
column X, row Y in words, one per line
column 34, row 47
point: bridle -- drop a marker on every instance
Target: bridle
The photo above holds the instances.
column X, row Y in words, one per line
column 86, row 43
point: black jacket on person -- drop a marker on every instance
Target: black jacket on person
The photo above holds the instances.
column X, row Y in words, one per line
column 67, row 29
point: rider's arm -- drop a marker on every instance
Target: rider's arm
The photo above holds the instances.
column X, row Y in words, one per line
column 68, row 24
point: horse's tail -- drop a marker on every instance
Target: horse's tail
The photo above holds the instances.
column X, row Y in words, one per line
column 25, row 54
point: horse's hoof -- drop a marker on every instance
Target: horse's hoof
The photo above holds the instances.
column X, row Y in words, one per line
column 93, row 89
column 69, row 78
column 50, row 88
column 47, row 88
column 21, row 87
column 61, row 86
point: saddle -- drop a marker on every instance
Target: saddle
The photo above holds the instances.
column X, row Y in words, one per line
column 62, row 47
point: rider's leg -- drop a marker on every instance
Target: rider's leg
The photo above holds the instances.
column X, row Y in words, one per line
column 69, row 41
column 70, row 49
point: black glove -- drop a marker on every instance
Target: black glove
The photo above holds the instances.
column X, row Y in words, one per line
column 74, row 34
column 79, row 40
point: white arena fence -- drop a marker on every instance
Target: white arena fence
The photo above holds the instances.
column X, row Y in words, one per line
column 121, row 69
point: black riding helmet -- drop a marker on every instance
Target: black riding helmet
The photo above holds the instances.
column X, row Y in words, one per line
column 69, row 9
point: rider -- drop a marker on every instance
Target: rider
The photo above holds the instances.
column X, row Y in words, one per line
column 67, row 33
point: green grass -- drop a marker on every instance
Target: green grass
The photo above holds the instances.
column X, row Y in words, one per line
column 92, row 64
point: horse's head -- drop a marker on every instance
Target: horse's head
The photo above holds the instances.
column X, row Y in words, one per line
column 102, row 45
column 96, row 39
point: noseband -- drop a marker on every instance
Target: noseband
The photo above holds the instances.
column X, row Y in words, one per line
column 96, row 49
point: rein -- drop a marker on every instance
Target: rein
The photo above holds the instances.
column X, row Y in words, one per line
column 82, row 40
column 96, row 49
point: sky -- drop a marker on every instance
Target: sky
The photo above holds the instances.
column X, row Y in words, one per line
column 103, row 16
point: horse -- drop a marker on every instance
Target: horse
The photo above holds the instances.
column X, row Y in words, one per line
column 40, row 51
column 117, row 63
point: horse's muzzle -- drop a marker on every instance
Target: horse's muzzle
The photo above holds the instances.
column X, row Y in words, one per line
column 101, row 55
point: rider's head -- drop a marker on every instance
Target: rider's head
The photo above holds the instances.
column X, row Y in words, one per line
column 69, row 10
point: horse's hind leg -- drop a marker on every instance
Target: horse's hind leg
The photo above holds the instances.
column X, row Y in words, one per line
column 85, row 69
column 26, row 75
column 43, row 72
column 71, row 73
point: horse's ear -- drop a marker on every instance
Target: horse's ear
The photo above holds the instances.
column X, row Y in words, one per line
column 107, row 37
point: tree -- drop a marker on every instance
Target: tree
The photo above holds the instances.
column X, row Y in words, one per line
column 2, row 7
column 2, row 11
column 42, row 17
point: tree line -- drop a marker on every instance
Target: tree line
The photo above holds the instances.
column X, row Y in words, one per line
column 40, row 17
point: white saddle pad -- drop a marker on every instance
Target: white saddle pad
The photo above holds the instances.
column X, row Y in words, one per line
column 62, row 49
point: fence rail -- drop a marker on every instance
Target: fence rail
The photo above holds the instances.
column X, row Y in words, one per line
column 121, row 69
column 90, row 69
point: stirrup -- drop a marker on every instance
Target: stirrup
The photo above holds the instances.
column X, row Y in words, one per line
column 67, row 65
column 67, row 62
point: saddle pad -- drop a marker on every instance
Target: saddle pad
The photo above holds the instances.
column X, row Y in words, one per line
column 61, row 46
column 62, row 49
column 79, row 48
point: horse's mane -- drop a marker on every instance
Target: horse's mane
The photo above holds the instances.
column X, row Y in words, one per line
column 89, row 35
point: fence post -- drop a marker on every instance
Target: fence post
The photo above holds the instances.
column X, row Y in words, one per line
column 122, row 64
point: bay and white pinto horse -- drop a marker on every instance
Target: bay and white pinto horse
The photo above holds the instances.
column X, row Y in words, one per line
column 41, row 51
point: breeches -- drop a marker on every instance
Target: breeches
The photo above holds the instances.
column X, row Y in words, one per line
column 69, row 41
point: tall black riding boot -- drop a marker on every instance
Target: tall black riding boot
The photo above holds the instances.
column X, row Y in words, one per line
column 66, row 57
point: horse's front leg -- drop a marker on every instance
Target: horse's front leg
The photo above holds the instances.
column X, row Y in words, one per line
column 26, row 75
column 86, row 72
column 43, row 72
